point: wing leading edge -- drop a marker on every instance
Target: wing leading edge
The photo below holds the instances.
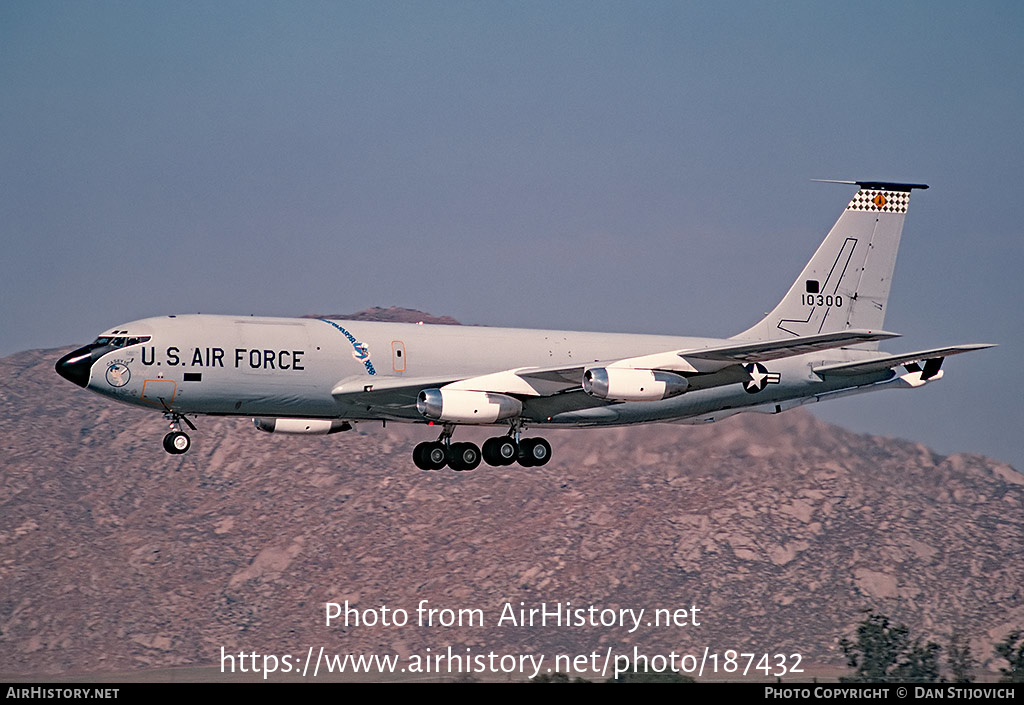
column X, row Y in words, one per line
column 765, row 350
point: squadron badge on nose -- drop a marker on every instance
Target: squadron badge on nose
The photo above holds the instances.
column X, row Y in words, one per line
column 118, row 374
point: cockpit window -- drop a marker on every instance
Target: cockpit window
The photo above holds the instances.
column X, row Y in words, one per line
column 120, row 341
column 106, row 341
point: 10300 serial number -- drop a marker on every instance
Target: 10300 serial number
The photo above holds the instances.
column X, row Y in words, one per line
column 834, row 300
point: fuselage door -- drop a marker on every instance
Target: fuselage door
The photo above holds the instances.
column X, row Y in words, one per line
column 398, row 356
column 159, row 392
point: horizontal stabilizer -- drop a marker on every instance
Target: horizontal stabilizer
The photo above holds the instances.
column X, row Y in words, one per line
column 876, row 185
column 890, row 361
column 764, row 350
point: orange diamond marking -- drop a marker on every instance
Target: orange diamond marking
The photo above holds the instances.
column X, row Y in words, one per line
column 879, row 200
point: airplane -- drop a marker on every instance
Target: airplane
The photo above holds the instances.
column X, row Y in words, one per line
column 321, row 376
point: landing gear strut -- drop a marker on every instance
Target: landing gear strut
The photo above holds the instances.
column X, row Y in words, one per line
column 177, row 441
column 498, row 451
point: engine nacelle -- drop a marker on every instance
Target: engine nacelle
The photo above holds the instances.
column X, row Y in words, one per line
column 462, row 406
column 312, row 427
column 627, row 384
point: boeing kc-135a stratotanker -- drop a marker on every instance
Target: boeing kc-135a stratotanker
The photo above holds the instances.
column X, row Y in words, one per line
column 320, row 376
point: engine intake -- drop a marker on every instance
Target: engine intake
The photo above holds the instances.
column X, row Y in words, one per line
column 627, row 384
column 462, row 406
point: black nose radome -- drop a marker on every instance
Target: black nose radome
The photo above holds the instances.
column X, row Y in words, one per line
column 75, row 366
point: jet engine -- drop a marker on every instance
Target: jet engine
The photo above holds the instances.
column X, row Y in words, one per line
column 627, row 384
column 312, row 427
column 462, row 406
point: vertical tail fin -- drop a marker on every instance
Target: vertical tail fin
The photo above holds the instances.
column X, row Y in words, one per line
column 846, row 283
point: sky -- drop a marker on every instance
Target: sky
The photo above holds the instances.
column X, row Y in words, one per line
column 630, row 167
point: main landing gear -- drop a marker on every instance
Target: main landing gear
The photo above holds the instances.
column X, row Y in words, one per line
column 177, row 441
column 498, row 451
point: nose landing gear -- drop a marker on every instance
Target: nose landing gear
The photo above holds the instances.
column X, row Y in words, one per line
column 177, row 441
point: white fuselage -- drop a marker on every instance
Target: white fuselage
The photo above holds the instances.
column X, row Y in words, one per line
column 284, row 367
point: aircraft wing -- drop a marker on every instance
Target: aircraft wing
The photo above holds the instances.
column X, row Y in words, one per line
column 544, row 381
column 548, row 391
column 880, row 364
column 705, row 367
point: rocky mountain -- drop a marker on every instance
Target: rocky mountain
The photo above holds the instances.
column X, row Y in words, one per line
column 783, row 530
column 396, row 314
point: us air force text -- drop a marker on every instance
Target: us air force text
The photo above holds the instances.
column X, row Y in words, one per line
column 244, row 358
